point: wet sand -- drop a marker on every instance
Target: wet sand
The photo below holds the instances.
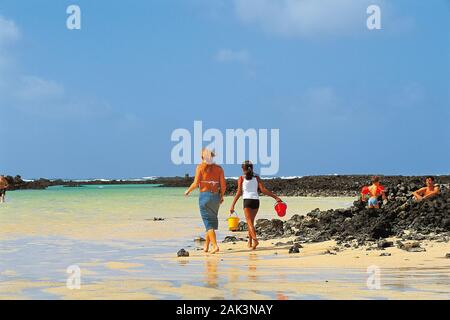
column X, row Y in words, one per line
column 240, row 273
column 123, row 254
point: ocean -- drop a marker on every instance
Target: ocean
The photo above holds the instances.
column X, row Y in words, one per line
column 109, row 228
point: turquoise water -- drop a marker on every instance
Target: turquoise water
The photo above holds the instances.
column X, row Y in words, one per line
column 42, row 232
column 146, row 200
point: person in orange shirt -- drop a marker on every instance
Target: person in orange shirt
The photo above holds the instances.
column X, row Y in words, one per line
column 210, row 179
column 373, row 192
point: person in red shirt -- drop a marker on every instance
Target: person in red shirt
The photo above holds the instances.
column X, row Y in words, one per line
column 373, row 192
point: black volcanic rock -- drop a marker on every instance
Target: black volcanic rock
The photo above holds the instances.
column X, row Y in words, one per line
column 339, row 185
column 295, row 248
column 323, row 186
column 428, row 219
column 182, row 253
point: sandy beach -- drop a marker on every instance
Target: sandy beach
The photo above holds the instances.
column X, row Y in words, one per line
column 123, row 253
column 268, row 273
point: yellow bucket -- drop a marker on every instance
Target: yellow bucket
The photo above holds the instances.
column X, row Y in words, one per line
column 233, row 223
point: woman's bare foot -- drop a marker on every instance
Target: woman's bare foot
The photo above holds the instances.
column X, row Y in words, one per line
column 207, row 243
column 215, row 250
column 255, row 244
column 249, row 244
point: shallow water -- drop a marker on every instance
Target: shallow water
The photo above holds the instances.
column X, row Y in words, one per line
column 123, row 212
column 109, row 232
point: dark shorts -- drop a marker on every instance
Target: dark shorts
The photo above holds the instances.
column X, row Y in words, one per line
column 251, row 204
column 2, row 192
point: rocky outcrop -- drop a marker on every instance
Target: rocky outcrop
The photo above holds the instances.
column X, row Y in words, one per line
column 334, row 186
column 401, row 217
column 16, row 183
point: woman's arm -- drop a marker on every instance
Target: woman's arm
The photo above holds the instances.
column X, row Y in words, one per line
column 238, row 194
column 265, row 191
column 196, row 182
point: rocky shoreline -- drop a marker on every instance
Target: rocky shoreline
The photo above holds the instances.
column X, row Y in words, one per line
column 357, row 226
column 309, row 186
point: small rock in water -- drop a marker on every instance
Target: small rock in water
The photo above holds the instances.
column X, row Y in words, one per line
column 199, row 239
column 242, row 226
column 280, row 244
column 330, row 252
column 230, row 239
column 294, row 249
column 410, row 247
column 447, row 255
column 183, row 253
column 385, row 244
column 385, row 254
column 417, row 249
column 158, row 219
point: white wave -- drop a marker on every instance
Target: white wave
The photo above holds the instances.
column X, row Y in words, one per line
column 150, row 178
column 270, row 178
column 86, row 180
column 282, row 177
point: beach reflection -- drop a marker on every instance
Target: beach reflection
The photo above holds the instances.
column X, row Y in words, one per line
column 252, row 271
column 281, row 296
column 211, row 274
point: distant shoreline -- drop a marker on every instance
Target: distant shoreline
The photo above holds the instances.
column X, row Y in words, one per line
column 313, row 186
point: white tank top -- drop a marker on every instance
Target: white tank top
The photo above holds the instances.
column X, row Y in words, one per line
column 250, row 188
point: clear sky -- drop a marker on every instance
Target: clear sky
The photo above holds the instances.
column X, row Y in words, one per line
column 103, row 101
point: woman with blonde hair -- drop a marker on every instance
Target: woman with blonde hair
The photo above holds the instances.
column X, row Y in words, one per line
column 210, row 179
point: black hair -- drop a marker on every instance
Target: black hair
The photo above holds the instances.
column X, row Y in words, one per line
column 430, row 177
column 247, row 167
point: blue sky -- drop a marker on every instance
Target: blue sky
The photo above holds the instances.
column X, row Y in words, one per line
column 103, row 101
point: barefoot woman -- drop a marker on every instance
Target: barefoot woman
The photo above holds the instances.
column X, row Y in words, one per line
column 210, row 178
column 248, row 186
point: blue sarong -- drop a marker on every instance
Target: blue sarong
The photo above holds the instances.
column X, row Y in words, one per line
column 209, row 204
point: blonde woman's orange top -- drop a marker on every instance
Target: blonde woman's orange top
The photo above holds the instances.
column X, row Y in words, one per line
column 210, row 177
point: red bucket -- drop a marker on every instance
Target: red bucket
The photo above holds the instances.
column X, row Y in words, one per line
column 281, row 208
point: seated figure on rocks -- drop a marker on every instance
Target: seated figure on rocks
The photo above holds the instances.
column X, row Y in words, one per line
column 427, row 192
column 372, row 193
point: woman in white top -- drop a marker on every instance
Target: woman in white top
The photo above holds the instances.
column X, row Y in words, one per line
column 248, row 186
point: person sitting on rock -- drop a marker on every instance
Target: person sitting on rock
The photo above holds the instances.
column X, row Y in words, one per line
column 3, row 188
column 372, row 193
column 427, row 192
